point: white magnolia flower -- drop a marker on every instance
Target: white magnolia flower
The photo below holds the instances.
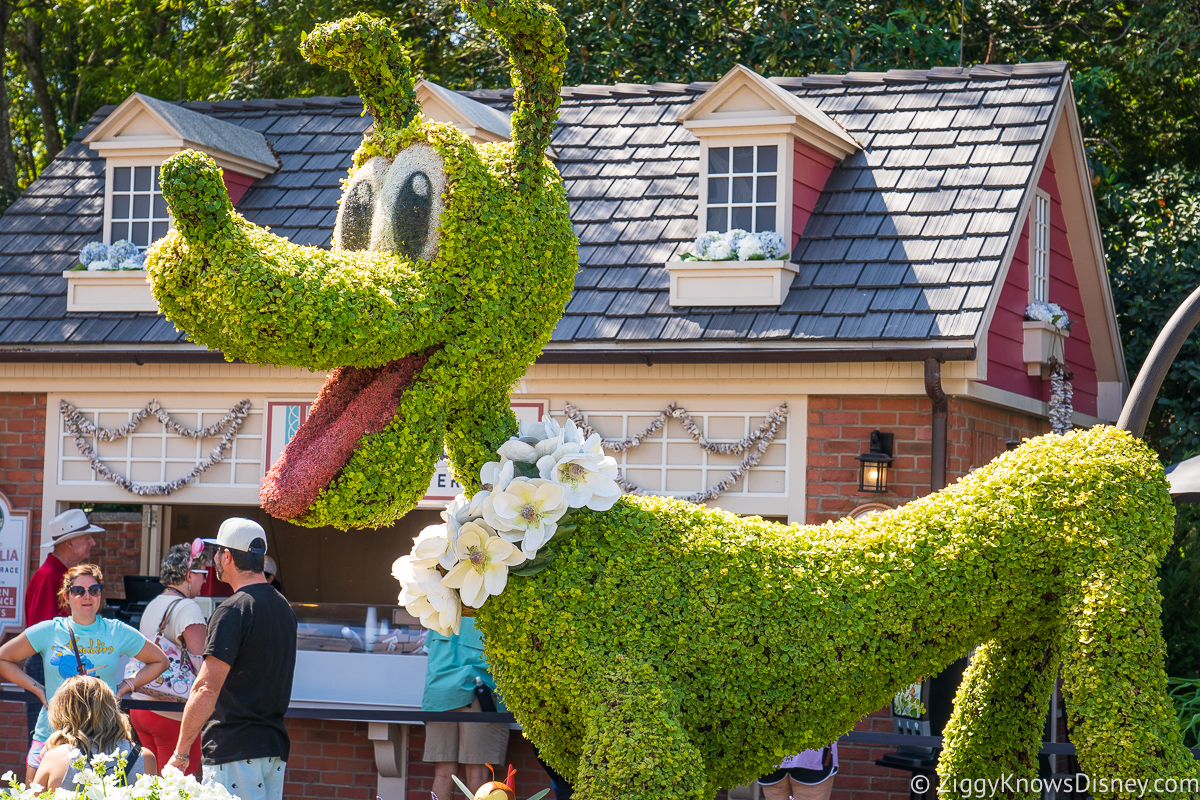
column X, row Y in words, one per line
column 424, row 595
column 484, row 559
column 496, row 474
column 434, row 542
column 517, row 450
column 527, row 512
column 587, row 476
column 539, row 431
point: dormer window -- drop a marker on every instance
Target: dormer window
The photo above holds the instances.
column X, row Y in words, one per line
column 743, row 188
column 1039, row 248
column 143, row 132
column 138, row 210
column 765, row 155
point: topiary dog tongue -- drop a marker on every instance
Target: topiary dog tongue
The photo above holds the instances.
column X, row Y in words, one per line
column 353, row 403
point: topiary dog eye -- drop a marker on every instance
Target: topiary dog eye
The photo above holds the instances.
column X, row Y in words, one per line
column 359, row 212
column 409, row 208
column 410, row 214
column 356, row 215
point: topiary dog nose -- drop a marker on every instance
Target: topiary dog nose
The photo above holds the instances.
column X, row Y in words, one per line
column 194, row 189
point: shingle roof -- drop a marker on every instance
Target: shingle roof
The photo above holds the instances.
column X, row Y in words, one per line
column 904, row 244
column 213, row 132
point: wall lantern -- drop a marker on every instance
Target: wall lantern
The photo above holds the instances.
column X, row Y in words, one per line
column 873, row 466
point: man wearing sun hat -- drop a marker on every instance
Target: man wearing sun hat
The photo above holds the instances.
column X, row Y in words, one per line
column 69, row 541
column 245, row 685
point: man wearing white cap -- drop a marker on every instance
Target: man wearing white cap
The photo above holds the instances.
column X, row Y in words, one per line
column 67, row 540
column 245, row 684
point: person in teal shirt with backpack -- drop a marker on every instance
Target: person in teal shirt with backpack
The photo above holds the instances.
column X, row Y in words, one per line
column 455, row 668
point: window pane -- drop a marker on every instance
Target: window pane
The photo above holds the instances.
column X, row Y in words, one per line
column 765, row 218
column 141, row 234
column 141, row 206
column 718, row 190
column 743, row 159
column 743, row 218
column 718, row 160
column 160, row 230
column 120, row 206
column 141, row 179
column 743, row 190
column 160, row 206
column 716, row 220
column 766, row 189
column 767, row 158
column 157, row 176
column 120, row 230
column 121, row 179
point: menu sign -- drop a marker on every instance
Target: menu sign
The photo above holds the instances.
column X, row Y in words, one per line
column 442, row 486
column 14, row 549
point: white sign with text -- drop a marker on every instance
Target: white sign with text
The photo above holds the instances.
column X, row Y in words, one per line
column 14, row 550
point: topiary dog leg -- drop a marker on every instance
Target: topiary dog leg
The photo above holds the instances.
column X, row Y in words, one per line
column 634, row 745
column 983, row 741
column 1122, row 723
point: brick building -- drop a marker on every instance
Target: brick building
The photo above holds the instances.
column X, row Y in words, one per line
column 925, row 210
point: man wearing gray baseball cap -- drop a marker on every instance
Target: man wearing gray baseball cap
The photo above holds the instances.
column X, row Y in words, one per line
column 245, row 685
column 67, row 540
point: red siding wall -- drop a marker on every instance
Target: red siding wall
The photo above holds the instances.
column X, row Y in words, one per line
column 810, row 171
column 236, row 184
column 1006, row 369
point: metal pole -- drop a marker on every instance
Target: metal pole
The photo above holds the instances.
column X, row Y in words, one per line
column 941, row 410
column 1137, row 408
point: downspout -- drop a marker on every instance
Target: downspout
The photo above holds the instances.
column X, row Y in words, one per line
column 941, row 411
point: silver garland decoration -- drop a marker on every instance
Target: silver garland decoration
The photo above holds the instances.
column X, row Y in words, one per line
column 753, row 445
column 1061, row 395
column 81, row 428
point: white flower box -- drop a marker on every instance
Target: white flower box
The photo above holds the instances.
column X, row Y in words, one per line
column 109, row 290
column 730, row 283
column 1042, row 341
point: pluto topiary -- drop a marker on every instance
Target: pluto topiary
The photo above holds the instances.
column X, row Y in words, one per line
column 451, row 264
column 654, row 649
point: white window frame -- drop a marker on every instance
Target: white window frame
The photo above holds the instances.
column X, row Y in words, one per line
column 109, row 186
column 785, row 172
column 1039, row 248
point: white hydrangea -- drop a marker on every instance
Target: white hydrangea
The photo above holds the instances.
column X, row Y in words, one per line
column 102, row 265
column 93, row 251
column 122, row 250
column 739, row 244
column 132, row 263
column 750, row 249
column 702, row 243
column 772, row 244
column 1048, row 312
column 720, row 250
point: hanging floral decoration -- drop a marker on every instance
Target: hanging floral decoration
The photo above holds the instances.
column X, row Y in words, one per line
column 543, row 473
column 1061, row 395
column 81, row 428
column 753, row 446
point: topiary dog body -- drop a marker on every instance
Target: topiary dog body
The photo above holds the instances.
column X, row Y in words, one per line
column 668, row 650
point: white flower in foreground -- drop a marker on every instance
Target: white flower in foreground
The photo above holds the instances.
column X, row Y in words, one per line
column 496, row 474
column 539, row 431
column 516, row 450
column 434, row 542
column 482, row 570
column 588, row 477
column 424, row 595
column 528, row 512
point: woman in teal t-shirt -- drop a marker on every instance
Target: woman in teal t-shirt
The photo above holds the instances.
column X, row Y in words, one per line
column 81, row 644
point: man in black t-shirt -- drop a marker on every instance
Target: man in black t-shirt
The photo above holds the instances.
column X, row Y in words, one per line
column 245, row 684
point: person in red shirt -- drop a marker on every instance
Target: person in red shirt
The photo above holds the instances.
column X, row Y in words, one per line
column 69, row 538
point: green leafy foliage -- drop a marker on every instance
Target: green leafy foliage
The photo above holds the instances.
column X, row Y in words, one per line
column 1152, row 229
column 1179, row 582
column 238, row 288
column 670, row 650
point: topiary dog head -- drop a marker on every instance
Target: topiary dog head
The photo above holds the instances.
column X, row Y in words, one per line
column 451, row 263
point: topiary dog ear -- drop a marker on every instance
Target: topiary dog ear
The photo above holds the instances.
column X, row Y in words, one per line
column 369, row 49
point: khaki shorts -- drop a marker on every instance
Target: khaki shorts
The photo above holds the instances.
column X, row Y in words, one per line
column 466, row 742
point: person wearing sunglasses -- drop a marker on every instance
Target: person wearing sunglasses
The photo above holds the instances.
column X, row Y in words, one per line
column 175, row 615
column 82, row 643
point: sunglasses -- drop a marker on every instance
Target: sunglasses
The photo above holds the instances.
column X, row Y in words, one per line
column 95, row 590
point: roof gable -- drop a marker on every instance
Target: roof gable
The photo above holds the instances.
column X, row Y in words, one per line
column 478, row 121
column 147, row 125
column 743, row 100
